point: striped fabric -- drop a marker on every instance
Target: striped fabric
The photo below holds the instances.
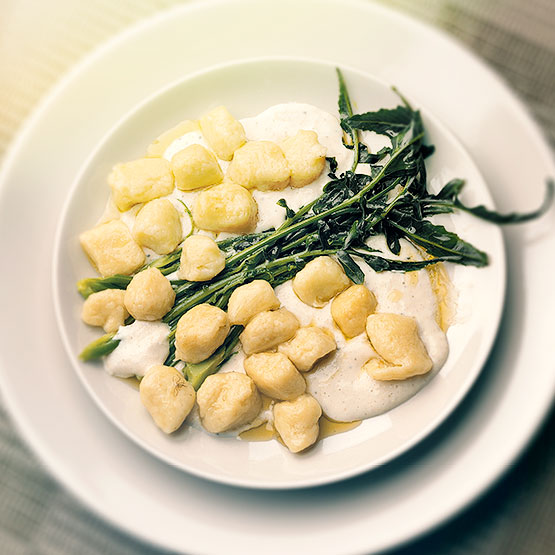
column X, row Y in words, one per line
column 40, row 40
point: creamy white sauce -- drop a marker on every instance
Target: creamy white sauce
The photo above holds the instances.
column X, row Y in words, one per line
column 191, row 138
column 142, row 345
column 275, row 124
column 344, row 391
column 285, row 120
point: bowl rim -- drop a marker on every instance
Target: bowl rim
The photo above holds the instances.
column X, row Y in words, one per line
column 292, row 484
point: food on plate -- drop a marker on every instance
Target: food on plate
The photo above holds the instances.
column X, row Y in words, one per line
column 199, row 332
column 140, row 181
column 275, row 376
column 319, row 281
column 168, row 397
column 351, row 308
column 308, row 346
column 106, row 309
column 305, row 156
column 401, row 352
column 268, row 329
column 297, row 422
column 195, row 167
column 112, row 249
column 201, row 259
column 282, row 266
column 226, row 207
column 158, row 147
column 141, row 345
column 223, row 132
column 248, row 300
column 158, row 226
column 260, row 165
column 228, row 400
column 149, row 295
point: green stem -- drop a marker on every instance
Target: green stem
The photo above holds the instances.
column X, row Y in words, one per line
column 420, row 241
column 281, row 232
column 197, row 373
column 345, row 107
column 390, row 206
column 167, row 264
column 99, row 347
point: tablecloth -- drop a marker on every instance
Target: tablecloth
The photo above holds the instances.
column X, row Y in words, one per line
column 41, row 40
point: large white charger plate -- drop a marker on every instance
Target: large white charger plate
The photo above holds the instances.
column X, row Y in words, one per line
column 247, row 88
column 148, row 498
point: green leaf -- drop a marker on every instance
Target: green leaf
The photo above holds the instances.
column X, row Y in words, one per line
column 344, row 102
column 366, row 157
column 333, row 166
column 167, row 264
column 440, row 243
column 352, row 208
column 345, row 109
column 384, row 122
column 289, row 213
column 382, row 264
column 513, row 217
column 352, row 269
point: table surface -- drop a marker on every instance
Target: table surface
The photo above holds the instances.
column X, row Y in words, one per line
column 41, row 40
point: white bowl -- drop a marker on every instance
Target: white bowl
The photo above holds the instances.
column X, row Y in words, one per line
column 247, row 88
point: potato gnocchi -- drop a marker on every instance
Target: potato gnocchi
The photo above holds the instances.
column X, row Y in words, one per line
column 195, row 167
column 158, row 226
column 227, row 207
column 301, row 341
column 201, row 259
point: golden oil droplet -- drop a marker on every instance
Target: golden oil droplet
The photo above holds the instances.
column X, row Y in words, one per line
column 395, row 295
column 133, row 382
column 330, row 427
column 443, row 291
column 264, row 432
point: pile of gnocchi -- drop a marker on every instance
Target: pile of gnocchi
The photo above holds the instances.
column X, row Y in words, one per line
column 217, row 174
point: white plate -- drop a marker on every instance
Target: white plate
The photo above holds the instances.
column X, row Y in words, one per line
column 248, row 88
column 148, row 498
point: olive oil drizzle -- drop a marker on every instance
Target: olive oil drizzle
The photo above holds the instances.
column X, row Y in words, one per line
column 444, row 293
column 328, row 427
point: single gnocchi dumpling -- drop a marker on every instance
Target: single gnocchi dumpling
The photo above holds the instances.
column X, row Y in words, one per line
column 305, row 156
column 201, row 259
column 395, row 338
column 200, row 331
column 105, row 308
column 158, row 147
column 149, row 295
column 319, row 281
column 158, row 226
column 297, row 422
column 227, row 401
column 112, row 249
column 250, row 299
column 351, row 308
column 167, row 396
column 195, row 167
column 275, row 376
column 223, row 132
column 309, row 345
column 140, row 181
column 260, row 165
column 225, row 207
column 268, row 329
